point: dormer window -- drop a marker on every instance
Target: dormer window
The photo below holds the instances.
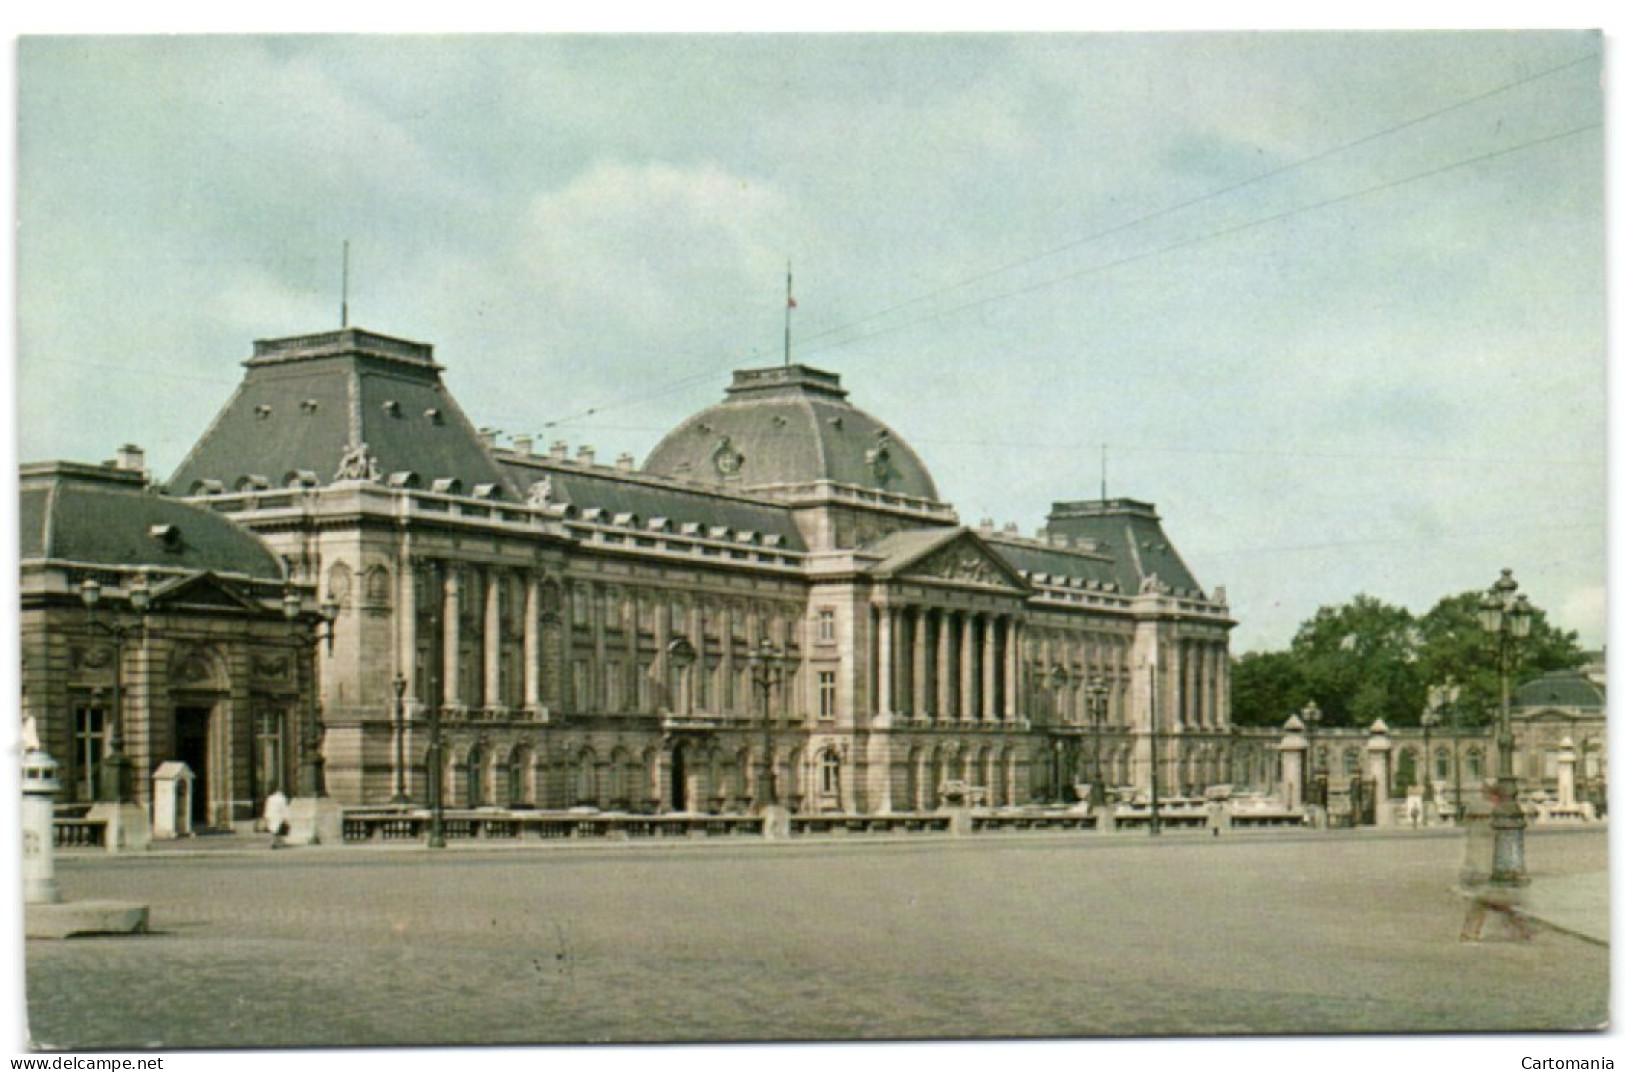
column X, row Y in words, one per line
column 308, row 407
column 435, row 416
column 167, row 535
column 392, row 408
column 262, row 412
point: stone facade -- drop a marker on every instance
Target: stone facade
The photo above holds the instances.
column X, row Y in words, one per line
column 592, row 635
column 188, row 652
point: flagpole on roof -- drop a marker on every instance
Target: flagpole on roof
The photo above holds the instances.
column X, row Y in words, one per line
column 789, row 304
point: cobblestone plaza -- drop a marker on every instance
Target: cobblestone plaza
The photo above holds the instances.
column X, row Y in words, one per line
column 1017, row 936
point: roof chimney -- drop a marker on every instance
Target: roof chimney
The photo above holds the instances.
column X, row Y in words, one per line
column 561, row 449
column 584, row 454
column 131, row 457
column 625, row 462
column 523, row 444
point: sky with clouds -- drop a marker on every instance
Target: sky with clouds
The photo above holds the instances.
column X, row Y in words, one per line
column 1334, row 302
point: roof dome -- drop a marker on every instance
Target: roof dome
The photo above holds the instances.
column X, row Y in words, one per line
column 790, row 425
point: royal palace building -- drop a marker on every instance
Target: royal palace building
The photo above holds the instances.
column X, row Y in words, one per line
column 779, row 580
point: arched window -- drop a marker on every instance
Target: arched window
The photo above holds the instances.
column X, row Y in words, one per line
column 1441, row 763
column 519, row 785
column 476, row 786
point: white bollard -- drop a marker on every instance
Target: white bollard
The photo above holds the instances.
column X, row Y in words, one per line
column 39, row 834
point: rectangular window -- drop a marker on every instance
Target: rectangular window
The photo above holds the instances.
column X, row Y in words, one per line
column 89, row 743
column 578, row 683
column 268, row 753
column 614, row 687
column 826, row 695
column 826, row 625
column 645, row 687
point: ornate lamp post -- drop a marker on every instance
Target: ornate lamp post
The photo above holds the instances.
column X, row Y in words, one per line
column 767, row 671
column 1098, row 692
column 116, row 784
column 399, row 684
column 311, row 780
column 1506, row 616
column 1317, row 778
column 1430, row 718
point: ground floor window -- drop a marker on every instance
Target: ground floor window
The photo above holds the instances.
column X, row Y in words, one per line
column 269, row 727
column 829, row 774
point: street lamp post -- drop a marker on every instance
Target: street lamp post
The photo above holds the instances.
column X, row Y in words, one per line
column 1430, row 718
column 1156, row 760
column 116, row 782
column 1506, row 616
column 767, row 670
column 1098, row 692
column 312, row 783
column 1311, row 718
column 400, row 739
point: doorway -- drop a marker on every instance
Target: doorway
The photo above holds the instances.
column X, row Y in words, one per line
column 679, row 780
column 192, row 749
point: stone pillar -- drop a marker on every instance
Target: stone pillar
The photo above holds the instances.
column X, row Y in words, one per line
column 883, row 669
column 728, row 701
column 945, row 665
column 1292, row 748
column 967, row 667
column 1565, row 774
column 1377, row 748
column 598, row 598
column 406, row 615
column 451, row 692
column 1012, row 668
column 532, row 670
column 493, row 638
column 919, row 700
column 990, row 667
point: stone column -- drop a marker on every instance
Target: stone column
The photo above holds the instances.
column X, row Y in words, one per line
column 919, row 692
column 406, row 616
column 533, row 642
column 728, row 701
column 945, row 666
column 493, row 637
column 451, row 640
column 883, row 671
column 967, row 667
column 1012, row 668
column 598, row 598
column 990, row 666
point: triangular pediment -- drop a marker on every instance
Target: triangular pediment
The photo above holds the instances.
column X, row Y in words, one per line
column 954, row 557
column 203, row 590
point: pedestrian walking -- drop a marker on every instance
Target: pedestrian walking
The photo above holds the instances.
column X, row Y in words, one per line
column 276, row 816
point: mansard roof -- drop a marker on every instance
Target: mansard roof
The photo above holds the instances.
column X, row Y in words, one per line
column 96, row 515
column 309, row 404
column 582, row 487
column 1130, row 533
column 790, row 425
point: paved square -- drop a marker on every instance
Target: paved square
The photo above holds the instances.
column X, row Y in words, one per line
column 1009, row 936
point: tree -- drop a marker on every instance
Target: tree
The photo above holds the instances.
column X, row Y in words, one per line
column 1266, row 687
column 1456, row 648
column 1360, row 661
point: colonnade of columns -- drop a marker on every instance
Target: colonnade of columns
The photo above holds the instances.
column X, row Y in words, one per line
column 1203, row 669
column 596, row 651
column 947, row 665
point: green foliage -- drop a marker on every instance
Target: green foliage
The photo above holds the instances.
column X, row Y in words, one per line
column 1367, row 659
column 1266, row 687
